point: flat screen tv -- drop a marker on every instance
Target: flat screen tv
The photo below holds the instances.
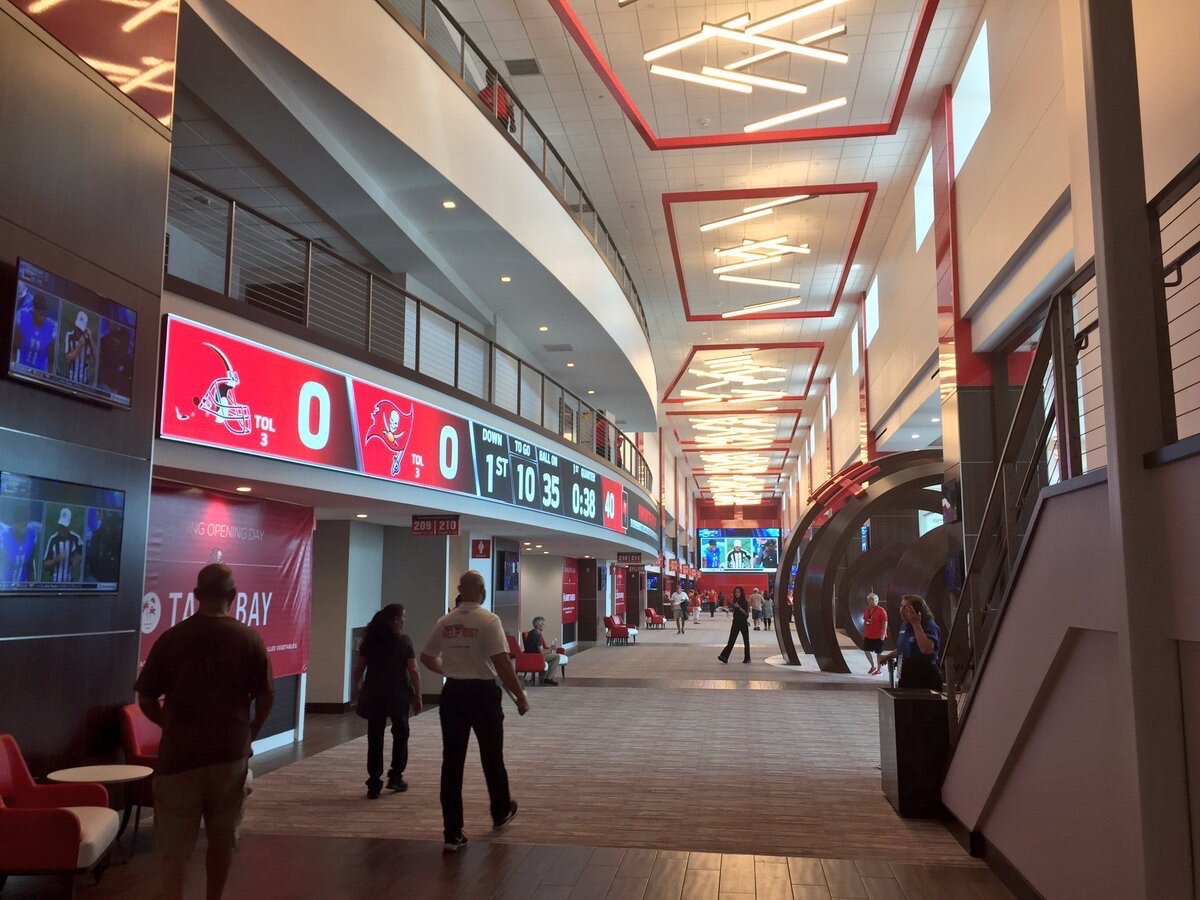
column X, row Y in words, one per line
column 739, row 549
column 69, row 339
column 58, row 536
column 508, row 570
column 651, row 581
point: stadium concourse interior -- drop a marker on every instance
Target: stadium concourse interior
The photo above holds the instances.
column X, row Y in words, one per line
column 881, row 313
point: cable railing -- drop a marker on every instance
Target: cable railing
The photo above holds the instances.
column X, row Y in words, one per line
column 216, row 243
column 432, row 26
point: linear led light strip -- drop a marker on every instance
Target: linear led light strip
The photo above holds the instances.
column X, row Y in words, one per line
column 695, row 38
column 762, row 307
column 755, row 211
column 795, row 114
column 762, row 282
column 817, row 38
column 710, row 30
column 723, row 84
column 742, row 78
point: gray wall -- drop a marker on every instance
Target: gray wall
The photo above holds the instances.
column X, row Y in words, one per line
column 415, row 573
column 83, row 179
column 541, row 591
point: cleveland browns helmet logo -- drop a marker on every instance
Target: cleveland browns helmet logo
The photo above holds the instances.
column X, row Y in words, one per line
column 219, row 401
column 392, row 426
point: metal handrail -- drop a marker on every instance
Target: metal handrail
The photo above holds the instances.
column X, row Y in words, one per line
column 338, row 308
column 497, row 99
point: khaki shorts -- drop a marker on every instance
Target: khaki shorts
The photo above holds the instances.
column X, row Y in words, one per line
column 213, row 793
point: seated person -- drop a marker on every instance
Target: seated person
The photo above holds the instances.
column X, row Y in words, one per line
column 535, row 642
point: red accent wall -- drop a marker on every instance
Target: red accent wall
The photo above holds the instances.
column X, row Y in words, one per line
column 727, row 581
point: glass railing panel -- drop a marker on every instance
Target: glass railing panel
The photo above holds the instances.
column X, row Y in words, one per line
column 533, row 143
column 337, row 297
column 387, row 321
column 197, row 225
column 555, row 171
column 269, row 266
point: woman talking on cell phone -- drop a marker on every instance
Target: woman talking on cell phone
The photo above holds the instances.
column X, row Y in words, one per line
column 740, row 625
column 917, row 646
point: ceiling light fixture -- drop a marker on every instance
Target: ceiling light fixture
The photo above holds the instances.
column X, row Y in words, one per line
column 689, row 39
column 774, row 84
column 764, row 282
column 570, row 365
column 792, row 15
column 733, row 220
column 590, row 392
column 935, row 419
column 449, row 204
column 543, row 328
column 774, row 204
column 745, row 37
column 747, row 264
column 817, row 38
column 243, row 489
column 360, row 515
column 706, row 80
column 537, row 546
column 761, row 307
column 506, row 278
column 813, row 110
column 914, row 436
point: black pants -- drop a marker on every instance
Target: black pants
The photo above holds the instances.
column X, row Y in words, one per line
column 920, row 672
column 375, row 729
column 468, row 706
column 742, row 627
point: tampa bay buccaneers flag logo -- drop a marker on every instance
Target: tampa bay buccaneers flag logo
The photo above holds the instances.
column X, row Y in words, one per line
column 393, row 427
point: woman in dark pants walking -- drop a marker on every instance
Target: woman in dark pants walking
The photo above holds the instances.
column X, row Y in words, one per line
column 391, row 689
column 741, row 625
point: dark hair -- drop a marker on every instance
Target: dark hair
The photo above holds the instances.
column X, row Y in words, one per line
column 379, row 629
column 213, row 583
column 738, row 591
column 922, row 607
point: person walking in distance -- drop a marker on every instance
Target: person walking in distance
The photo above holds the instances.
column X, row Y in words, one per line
column 390, row 689
column 740, row 625
column 874, row 628
column 469, row 648
column 768, row 612
column 197, row 684
column 756, row 607
column 677, row 598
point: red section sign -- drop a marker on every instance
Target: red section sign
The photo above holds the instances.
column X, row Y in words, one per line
column 619, row 590
column 481, row 549
column 570, row 590
column 435, row 526
column 269, row 547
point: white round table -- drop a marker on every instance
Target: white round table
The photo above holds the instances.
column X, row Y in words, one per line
column 109, row 775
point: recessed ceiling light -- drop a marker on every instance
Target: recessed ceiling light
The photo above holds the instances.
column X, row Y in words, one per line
column 537, row 546
column 545, row 553
column 505, row 278
column 448, row 204
column 935, row 419
column 915, row 436
column 543, row 328
column 360, row 515
column 570, row 365
column 591, row 391
column 243, row 489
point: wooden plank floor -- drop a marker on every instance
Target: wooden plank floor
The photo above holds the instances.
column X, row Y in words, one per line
column 277, row 867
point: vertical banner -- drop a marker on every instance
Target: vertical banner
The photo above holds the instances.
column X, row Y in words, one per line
column 619, row 590
column 268, row 546
column 570, row 590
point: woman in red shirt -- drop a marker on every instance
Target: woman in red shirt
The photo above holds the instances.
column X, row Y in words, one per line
column 874, row 629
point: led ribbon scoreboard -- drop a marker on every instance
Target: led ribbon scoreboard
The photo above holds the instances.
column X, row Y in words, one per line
column 227, row 392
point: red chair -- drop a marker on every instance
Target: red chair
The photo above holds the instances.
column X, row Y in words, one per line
column 654, row 620
column 140, row 738
column 51, row 829
column 526, row 664
column 620, row 621
column 614, row 633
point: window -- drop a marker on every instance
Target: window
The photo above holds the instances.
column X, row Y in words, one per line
column 872, row 310
column 833, row 394
column 923, row 198
column 812, row 440
column 854, row 349
column 971, row 103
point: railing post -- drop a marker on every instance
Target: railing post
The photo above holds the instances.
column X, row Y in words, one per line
column 424, row 18
column 462, row 57
column 1008, row 513
column 1064, row 357
column 231, row 223
column 370, row 307
column 308, row 260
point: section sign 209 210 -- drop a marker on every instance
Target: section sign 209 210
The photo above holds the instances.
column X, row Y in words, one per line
column 225, row 391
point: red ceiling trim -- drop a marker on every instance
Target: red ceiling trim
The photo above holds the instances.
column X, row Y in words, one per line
column 587, row 46
column 819, row 346
column 867, row 188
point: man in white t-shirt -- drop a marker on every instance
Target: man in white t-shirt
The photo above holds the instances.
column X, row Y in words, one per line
column 677, row 599
column 469, row 648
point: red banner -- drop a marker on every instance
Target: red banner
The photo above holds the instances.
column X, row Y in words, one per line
column 570, row 590
column 268, row 546
column 619, row 590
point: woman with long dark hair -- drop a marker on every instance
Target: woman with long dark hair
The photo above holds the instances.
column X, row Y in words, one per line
column 390, row 690
column 917, row 646
column 740, row 625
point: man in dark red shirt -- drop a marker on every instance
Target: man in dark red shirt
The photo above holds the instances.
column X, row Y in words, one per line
column 197, row 684
column 874, row 630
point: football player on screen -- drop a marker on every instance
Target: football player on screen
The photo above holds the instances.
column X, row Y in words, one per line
column 18, row 544
column 712, row 554
column 35, row 332
column 80, row 350
column 64, row 549
column 737, row 558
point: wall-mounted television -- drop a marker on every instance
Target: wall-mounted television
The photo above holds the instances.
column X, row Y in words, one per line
column 739, row 549
column 58, row 536
column 70, row 339
column 508, row 570
column 651, row 582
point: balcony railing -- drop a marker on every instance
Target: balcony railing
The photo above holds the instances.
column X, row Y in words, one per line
column 216, row 243
column 444, row 40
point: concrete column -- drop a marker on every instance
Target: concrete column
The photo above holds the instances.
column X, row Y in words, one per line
column 347, row 590
column 1137, row 420
column 417, row 573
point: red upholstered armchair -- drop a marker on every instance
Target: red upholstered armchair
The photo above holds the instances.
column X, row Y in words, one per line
column 620, row 622
column 50, row 829
column 614, row 633
column 654, row 620
column 526, row 664
column 139, row 736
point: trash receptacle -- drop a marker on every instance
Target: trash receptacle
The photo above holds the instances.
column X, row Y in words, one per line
column 914, row 741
